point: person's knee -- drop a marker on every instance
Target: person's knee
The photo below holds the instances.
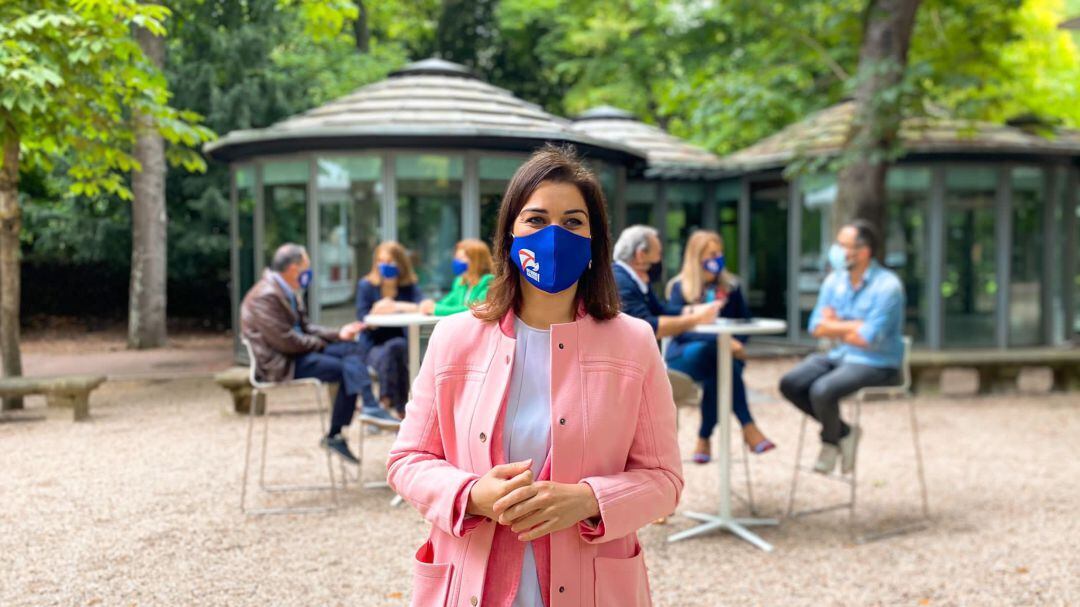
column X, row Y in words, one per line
column 790, row 386
column 821, row 393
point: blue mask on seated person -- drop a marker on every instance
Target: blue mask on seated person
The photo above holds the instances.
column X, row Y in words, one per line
column 459, row 267
column 388, row 270
column 837, row 258
column 304, row 279
column 552, row 259
column 714, row 265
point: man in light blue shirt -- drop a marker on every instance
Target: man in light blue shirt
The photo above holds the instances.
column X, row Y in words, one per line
column 861, row 308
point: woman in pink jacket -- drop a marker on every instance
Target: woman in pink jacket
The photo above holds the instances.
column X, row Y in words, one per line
column 541, row 431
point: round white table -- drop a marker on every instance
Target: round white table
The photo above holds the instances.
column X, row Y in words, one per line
column 411, row 322
column 724, row 329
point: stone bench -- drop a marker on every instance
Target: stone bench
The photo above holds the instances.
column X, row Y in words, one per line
column 236, row 381
column 998, row 370
column 70, row 391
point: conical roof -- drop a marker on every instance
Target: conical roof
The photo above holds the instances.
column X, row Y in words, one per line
column 825, row 133
column 668, row 156
column 430, row 103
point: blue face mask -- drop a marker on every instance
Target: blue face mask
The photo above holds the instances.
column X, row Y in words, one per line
column 459, row 267
column 304, row 279
column 837, row 258
column 714, row 265
column 552, row 259
column 388, row 270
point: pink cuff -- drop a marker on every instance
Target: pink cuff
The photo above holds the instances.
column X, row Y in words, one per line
column 591, row 528
column 464, row 523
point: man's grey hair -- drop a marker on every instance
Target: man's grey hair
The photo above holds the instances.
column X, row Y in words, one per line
column 632, row 240
column 286, row 255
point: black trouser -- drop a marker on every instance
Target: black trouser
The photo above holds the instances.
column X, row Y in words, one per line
column 390, row 359
column 817, row 384
column 340, row 362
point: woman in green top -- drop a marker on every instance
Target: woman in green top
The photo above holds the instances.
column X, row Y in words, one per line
column 472, row 265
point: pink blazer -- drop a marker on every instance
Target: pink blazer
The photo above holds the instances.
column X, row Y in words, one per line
column 612, row 427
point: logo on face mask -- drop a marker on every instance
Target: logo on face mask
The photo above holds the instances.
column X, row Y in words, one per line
column 529, row 265
column 563, row 255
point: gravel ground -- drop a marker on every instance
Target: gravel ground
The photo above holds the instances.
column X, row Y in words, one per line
column 139, row 506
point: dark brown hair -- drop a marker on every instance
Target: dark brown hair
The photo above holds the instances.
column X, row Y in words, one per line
column 596, row 287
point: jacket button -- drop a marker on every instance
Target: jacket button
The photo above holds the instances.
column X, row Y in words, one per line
column 474, row 600
column 562, row 421
column 561, row 346
column 483, row 437
column 562, row 588
column 508, row 359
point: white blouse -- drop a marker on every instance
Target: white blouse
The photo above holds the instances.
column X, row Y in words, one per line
column 527, row 429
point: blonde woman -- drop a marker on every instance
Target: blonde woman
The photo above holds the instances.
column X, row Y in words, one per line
column 390, row 287
column 472, row 266
column 705, row 279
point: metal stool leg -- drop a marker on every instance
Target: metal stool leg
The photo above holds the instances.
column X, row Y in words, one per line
column 854, row 472
column 797, row 468
column 324, row 427
column 918, row 457
column 749, row 480
column 247, row 450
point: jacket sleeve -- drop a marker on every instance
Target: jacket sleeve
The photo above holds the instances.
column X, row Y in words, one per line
column 417, row 469
column 454, row 301
column 652, row 482
column 276, row 329
column 366, row 296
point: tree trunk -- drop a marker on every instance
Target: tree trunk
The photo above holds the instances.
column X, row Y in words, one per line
column 146, row 309
column 361, row 31
column 10, row 226
column 882, row 60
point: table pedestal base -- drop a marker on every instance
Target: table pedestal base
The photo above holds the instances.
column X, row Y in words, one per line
column 737, row 526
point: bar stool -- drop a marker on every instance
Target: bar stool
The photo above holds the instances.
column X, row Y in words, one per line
column 902, row 390
column 264, row 388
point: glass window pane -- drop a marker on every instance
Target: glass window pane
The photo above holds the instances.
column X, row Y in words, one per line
column 284, row 205
column 727, row 217
column 906, row 238
column 818, row 197
column 245, row 237
column 641, row 197
column 766, row 269
column 685, row 209
column 969, row 288
column 350, row 222
column 1025, row 282
column 429, row 215
column 495, row 173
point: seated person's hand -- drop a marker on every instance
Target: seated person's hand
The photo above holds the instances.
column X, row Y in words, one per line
column 496, row 484
column 707, row 313
column 350, row 331
column 427, row 306
column 828, row 313
column 545, row 507
column 384, row 306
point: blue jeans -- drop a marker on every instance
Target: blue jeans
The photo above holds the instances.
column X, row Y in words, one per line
column 698, row 360
column 342, row 363
column 390, row 359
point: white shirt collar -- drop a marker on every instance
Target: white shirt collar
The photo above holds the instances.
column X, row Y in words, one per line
column 644, row 288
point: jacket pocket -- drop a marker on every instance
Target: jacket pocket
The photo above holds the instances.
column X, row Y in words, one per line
column 622, row 582
column 431, row 581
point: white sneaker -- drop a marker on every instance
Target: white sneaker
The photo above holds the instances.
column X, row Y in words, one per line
column 826, row 459
column 849, row 448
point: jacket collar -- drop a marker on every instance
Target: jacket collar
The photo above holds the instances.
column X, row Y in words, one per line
column 507, row 322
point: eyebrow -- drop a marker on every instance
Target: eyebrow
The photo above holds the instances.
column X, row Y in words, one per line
column 544, row 211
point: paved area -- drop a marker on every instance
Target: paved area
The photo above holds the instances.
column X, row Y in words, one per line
column 139, row 506
column 187, row 355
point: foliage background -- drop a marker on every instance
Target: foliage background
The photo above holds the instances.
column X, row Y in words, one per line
column 720, row 73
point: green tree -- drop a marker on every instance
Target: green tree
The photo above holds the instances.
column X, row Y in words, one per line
column 70, row 73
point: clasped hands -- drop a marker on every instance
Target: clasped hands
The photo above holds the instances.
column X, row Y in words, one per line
column 508, row 495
